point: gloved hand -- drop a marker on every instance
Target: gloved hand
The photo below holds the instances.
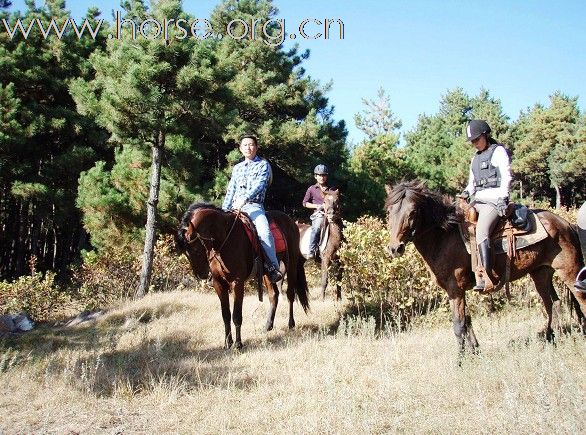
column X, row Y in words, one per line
column 320, row 208
column 238, row 203
column 501, row 206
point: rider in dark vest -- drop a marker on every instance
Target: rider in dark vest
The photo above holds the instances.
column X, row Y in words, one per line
column 489, row 180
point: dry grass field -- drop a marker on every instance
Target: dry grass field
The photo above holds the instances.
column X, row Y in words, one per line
column 157, row 366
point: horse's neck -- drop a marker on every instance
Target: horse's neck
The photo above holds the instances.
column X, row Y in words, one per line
column 335, row 230
column 224, row 223
column 432, row 245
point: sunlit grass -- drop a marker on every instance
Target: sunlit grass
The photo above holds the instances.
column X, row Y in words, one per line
column 157, row 365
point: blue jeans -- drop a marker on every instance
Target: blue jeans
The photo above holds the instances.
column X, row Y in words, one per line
column 261, row 223
column 316, row 223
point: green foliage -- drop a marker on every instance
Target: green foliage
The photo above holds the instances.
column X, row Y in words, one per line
column 44, row 142
column 36, row 295
column 548, row 142
column 397, row 290
column 376, row 161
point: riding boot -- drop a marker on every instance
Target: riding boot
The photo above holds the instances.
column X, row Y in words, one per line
column 486, row 261
column 273, row 272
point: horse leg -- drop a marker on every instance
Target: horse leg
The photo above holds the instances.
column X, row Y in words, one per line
column 542, row 278
column 568, row 275
column 222, row 292
column 462, row 324
column 237, row 312
column 325, row 263
column 338, row 274
column 273, row 292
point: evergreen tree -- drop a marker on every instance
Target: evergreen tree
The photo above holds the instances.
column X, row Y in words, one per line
column 145, row 91
column 547, row 138
column 378, row 160
column 45, row 142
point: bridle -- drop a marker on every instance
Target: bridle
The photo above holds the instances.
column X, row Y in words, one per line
column 211, row 253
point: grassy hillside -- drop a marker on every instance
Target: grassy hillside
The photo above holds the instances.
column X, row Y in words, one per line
column 157, row 365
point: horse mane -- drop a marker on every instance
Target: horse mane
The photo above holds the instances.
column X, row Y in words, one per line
column 440, row 210
column 192, row 209
column 180, row 241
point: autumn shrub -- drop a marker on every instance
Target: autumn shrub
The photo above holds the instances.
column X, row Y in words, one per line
column 393, row 291
column 105, row 277
column 37, row 295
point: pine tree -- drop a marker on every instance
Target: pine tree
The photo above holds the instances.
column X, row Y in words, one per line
column 45, row 142
column 146, row 91
column 546, row 138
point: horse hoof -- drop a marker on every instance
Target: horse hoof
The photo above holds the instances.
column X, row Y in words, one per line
column 269, row 327
column 238, row 345
column 291, row 325
column 228, row 344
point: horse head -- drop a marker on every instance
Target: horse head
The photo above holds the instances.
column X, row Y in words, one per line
column 402, row 208
column 332, row 205
column 195, row 239
column 413, row 210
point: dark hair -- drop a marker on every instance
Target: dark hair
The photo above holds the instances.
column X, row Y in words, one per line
column 250, row 136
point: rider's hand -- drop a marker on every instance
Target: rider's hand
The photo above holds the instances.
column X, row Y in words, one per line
column 238, row 203
column 320, row 207
column 501, row 206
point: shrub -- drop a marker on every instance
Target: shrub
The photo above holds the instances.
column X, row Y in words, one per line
column 36, row 295
column 104, row 278
column 393, row 290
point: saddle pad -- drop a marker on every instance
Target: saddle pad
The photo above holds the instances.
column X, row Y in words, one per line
column 280, row 244
column 304, row 241
column 521, row 241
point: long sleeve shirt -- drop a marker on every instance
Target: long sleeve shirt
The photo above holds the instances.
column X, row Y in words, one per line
column 500, row 159
column 314, row 195
column 249, row 182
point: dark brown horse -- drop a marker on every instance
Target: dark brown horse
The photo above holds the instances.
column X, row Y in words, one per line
column 216, row 242
column 431, row 222
column 329, row 256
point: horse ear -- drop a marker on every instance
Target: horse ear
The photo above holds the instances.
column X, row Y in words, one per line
column 388, row 189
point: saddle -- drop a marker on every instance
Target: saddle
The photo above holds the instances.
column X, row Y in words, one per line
column 304, row 242
column 518, row 229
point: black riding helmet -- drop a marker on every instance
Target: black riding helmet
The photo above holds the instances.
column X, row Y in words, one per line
column 475, row 128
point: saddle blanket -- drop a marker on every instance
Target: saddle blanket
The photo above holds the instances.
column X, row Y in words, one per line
column 280, row 244
column 499, row 241
column 304, row 241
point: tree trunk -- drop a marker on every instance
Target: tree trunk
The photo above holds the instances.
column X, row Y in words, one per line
column 149, row 241
column 558, row 197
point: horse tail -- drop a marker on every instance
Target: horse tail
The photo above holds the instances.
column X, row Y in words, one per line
column 301, row 289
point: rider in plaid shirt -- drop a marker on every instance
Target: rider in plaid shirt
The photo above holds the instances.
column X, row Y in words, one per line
column 246, row 192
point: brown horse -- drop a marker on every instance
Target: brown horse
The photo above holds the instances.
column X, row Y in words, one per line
column 329, row 255
column 431, row 222
column 216, row 242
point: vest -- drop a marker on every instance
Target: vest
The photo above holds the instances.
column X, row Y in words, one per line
column 486, row 175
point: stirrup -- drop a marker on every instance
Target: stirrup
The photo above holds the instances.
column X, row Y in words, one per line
column 480, row 286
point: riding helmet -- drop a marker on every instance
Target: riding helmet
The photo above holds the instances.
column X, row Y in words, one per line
column 321, row 170
column 475, row 128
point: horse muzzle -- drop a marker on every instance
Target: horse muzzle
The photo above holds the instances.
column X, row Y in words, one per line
column 396, row 251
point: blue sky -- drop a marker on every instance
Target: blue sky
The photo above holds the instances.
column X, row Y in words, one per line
column 417, row 50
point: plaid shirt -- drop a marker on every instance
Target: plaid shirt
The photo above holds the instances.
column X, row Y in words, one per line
column 250, row 180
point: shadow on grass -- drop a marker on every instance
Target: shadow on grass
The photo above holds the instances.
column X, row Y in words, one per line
column 89, row 357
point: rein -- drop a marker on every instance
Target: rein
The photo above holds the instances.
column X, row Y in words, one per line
column 212, row 253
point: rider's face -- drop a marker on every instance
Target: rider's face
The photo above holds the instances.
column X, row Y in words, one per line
column 248, row 148
column 321, row 179
column 480, row 143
